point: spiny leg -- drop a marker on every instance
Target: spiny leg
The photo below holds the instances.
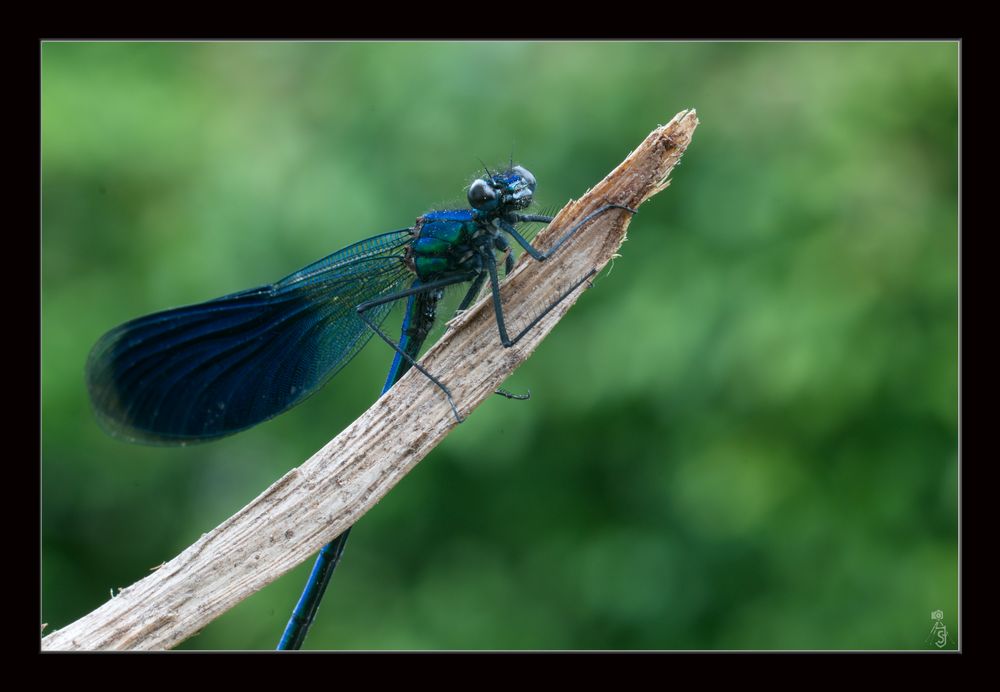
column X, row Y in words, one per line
column 540, row 255
column 473, row 291
column 503, row 246
column 471, row 294
column 441, row 283
column 491, row 267
column 510, row 395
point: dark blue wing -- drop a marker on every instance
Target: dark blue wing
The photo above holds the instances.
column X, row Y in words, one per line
column 208, row 370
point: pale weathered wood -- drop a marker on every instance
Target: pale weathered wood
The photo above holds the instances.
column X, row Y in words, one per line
column 315, row 502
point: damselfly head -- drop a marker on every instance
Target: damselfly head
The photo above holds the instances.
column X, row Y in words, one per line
column 512, row 189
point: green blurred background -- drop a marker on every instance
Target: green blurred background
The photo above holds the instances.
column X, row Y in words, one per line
column 745, row 436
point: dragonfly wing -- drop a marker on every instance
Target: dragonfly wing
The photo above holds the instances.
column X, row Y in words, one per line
column 205, row 371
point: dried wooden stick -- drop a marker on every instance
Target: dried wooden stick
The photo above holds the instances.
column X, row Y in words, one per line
column 314, row 503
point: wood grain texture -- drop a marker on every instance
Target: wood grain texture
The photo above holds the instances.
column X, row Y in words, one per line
column 312, row 504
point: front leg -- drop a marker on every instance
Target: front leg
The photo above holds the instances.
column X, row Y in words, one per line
column 538, row 254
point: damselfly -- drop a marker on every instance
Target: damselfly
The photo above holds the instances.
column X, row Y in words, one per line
column 205, row 371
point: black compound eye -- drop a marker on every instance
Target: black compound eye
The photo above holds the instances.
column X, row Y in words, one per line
column 481, row 194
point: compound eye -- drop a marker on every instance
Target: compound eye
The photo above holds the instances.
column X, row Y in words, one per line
column 525, row 175
column 481, row 194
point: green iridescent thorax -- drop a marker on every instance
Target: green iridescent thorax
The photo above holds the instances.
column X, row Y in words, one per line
column 444, row 241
